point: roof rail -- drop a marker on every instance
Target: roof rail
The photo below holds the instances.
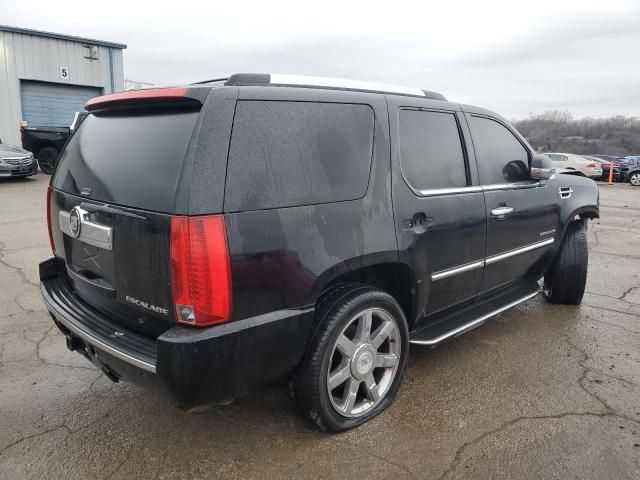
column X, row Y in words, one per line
column 213, row 80
column 263, row 79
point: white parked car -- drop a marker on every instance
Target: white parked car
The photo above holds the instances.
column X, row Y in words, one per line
column 570, row 161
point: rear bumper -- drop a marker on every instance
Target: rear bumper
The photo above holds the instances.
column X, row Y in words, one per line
column 192, row 366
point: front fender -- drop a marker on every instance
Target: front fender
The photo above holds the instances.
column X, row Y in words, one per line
column 584, row 201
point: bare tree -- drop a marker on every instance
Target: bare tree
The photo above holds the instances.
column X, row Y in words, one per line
column 560, row 132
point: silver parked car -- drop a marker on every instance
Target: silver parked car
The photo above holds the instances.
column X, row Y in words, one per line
column 16, row 162
column 587, row 167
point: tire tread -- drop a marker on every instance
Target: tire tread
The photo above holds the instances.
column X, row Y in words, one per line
column 568, row 276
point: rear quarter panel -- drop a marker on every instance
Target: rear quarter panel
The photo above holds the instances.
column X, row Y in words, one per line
column 281, row 258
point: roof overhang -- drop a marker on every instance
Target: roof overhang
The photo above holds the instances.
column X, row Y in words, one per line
column 59, row 36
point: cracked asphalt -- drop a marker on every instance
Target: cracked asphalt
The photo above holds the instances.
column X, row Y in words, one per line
column 543, row 391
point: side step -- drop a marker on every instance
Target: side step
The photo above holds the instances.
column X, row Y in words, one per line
column 472, row 316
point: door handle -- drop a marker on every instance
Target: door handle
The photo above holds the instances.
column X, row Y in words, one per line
column 419, row 223
column 501, row 212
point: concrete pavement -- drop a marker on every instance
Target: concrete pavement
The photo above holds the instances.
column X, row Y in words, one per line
column 543, row 391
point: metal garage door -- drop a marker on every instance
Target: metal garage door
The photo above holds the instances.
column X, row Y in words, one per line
column 51, row 103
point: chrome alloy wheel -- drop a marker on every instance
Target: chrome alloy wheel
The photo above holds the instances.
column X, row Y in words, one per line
column 634, row 179
column 364, row 362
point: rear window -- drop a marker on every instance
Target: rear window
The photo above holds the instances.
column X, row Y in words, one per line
column 286, row 154
column 431, row 152
column 127, row 159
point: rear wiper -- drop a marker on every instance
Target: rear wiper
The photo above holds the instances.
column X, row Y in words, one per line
column 90, row 207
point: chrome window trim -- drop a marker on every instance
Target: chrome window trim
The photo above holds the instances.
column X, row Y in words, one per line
column 473, row 189
column 509, row 186
column 91, row 233
column 501, row 256
column 474, row 323
column 450, row 272
column 447, row 191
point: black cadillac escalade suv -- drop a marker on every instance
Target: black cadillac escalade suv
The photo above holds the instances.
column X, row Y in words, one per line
column 218, row 238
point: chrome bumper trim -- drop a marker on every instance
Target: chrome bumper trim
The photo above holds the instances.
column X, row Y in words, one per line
column 93, row 341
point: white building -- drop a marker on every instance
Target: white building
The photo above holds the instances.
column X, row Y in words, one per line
column 46, row 77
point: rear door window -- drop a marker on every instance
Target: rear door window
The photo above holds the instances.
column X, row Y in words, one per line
column 131, row 159
column 431, row 153
column 501, row 157
column 285, row 154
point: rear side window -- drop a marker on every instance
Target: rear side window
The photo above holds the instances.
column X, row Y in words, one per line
column 127, row 159
column 431, row 152
column 286, row 154
column 501, row 157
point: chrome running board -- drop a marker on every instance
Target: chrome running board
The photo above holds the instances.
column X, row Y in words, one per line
column 459, row 330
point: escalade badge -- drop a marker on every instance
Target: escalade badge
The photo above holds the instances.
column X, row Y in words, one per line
column 146, row 305
column 75, row 222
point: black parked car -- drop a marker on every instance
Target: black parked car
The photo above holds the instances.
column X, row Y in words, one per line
column 621, row 166
column 633, row 175
column 217, row 238
column 46, row 143
column 16, row 162
column 606, row 166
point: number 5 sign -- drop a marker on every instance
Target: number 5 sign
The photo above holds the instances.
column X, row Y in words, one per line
column 64, row 73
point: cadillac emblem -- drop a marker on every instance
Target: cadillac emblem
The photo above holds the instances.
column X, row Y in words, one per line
column 75, row 222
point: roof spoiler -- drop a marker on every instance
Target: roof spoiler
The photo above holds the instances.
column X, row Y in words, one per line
column 182, row 95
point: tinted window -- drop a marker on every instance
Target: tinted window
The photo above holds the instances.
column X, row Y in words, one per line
column 557, row 158
column 297, row 153
column 127, row 159
column 431, row 150
column 501, row 157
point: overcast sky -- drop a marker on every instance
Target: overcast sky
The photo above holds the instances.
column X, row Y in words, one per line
column 513, row 57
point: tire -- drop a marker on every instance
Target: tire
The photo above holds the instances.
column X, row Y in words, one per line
column 47, row 158
column 565, row 282
column 342, row 316
column 634, row 179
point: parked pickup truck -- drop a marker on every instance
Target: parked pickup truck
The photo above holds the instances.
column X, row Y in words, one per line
column 47, row 142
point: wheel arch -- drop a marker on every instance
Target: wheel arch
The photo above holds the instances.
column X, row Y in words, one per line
column 42, row 144
column 386, row 273
column 584, row 213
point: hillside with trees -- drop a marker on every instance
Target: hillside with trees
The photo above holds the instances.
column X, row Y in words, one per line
column 559, row 132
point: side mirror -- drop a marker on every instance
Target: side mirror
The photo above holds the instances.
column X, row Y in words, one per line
column 542, row 167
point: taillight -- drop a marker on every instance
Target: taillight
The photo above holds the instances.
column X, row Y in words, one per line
column 200, row 270
column 53, row 245
column 591, row 165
